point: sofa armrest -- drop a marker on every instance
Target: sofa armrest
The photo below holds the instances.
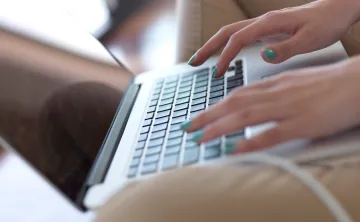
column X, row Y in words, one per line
column 198, row 21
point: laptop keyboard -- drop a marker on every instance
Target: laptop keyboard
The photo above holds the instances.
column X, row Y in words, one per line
column 161, row 144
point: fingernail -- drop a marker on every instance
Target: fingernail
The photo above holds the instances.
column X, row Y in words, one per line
column 192, row 59
column 185, row 125
column 269, row 54
column 214, row 71
column 197, row 136
column 229, row 148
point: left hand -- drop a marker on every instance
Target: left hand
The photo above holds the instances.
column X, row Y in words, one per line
column 308, row 104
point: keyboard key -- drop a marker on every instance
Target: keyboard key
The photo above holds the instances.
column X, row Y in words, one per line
column 174, row 142
column 172, row 150
column 185, row 89
column 199, row 95
column 234, row 138
column 175, row 127
column 213, row 143
column 166, row 101
column 157, row 91
column 193, row 114
column 155, row 97
column 235, row 83
column 181, row 106
column 169, row 90
column 230, row 90
column 172, row 79
column 197, row 107
column 178, row 119
column 170, row 161
column 132, row 172
column 215, row 100
column 159, row 127
column 138, row 153
column 200, row 89
column 164, row 107
column 187, row 78
column 201, row 84
column 216, row 94
column 168, row 96
column 144, row 129
column 147, row 122
column 151, row 159
column 191, row 156
column 142, row 137
column 231, row 68
column 153, row 103
column 191, row 145
column 186, row 84
column 182, row 100
column 202, row 78
column 183, row 95
column 217, row 82
column 153, row 150
column 212, row 152
column 161, row 120
column 238, row 62
column 202, row 72
column 163, row 114
column 150, row 168
column 135, row 162
column 151, row 109
column 159, row 134
column 235, row 77
column 180, row 113
column 149, row 115
column 216, row 88
column 176, row 134
column 198, row 101
column 156, row 142
column 170, row 85
column 140, row 145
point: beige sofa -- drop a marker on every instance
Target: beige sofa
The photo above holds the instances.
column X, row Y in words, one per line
column 199, row 20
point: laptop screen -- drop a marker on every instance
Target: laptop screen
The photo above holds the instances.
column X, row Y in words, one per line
column 56, row 108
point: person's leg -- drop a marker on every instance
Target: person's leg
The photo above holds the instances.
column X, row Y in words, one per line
column 72, row 126
column 259, row 194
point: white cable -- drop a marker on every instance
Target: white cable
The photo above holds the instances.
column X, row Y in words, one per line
column 306, row 178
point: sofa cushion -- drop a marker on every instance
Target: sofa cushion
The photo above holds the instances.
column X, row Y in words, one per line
column 254, row 8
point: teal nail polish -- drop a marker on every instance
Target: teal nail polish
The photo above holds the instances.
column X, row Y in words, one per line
column 214, row 71
column 270, row 54
column 197, row 136
column 192, row 59
column 185, row 125
column 229, row 148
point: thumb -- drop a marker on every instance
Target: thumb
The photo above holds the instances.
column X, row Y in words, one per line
column 284, row 50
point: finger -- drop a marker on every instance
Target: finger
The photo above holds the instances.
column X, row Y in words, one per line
column 238, row 120
column 246, row 36
column 284, row 50
column 283, row 132
column 230, row 104
column 217, row 41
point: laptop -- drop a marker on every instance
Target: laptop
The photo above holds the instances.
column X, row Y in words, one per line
column 145, row 140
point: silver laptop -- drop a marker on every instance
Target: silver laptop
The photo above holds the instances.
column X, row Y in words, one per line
column 145, row 139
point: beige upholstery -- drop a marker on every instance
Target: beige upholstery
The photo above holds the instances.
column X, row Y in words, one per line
column 251, row 194
column 199, row 20
column 254, row 8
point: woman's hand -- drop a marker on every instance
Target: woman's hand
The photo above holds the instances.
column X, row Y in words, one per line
column 309, row 28
column 308, row 103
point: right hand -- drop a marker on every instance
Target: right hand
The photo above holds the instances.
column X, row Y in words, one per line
column 310, row 27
